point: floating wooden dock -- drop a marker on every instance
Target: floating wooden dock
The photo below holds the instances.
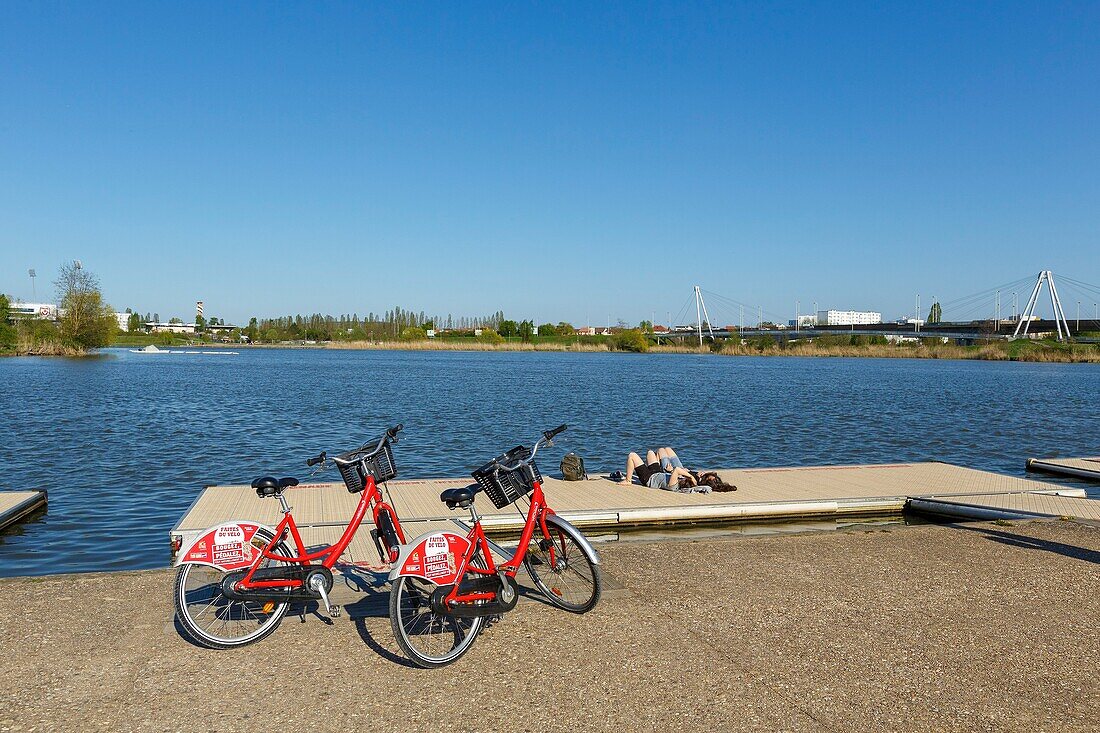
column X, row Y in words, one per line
column 763, row 494
column 1026, row 505
column 18, row 505
column 1086, row 468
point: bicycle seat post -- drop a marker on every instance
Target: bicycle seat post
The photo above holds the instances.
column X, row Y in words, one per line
column 283, row 504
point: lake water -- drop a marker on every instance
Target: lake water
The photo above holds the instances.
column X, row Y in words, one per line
column 125, row 442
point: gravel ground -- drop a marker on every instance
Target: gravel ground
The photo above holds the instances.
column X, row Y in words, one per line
column 978, row 627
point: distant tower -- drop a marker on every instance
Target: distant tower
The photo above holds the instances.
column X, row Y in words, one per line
column 198, row 309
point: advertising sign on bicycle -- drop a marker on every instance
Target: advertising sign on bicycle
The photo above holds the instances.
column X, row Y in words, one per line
column 227, row 546
column 433, row 557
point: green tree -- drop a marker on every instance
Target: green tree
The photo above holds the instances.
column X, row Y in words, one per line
column 412, row 333
column 549, row 329
column 935, row 314
column 646, row 327
column 508, row 328
column 489, row 336
column 133, row 322
column 86, row 321
column 565, row 329
column 631, row 340
column 8, row 335
column 526, row 329
column 253, row 330
column 200, row 324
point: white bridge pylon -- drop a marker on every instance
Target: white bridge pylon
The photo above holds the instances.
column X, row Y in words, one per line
column 1060, row 321
column 701, row 305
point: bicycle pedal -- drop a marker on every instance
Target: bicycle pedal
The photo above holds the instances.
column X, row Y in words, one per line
column 334, row 611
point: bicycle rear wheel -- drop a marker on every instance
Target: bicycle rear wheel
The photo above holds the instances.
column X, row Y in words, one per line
column 570, row 581
column 217, row 622
column 428, row 639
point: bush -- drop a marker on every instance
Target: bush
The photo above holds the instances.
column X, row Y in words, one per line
column 489, row 336
column 412, row 333
column 631, row 340
column 762, row 343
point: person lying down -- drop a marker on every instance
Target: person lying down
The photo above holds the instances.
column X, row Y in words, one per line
column 662, row 469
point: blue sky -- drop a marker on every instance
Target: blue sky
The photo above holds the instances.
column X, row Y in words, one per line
column 557, row 161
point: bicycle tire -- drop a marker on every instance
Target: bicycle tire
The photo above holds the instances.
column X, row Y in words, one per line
column 202, row 636
column 401, row 633
column 554, row 585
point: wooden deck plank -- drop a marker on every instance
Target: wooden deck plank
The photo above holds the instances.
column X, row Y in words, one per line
column 760, row 492
column 17, row 505
column 1050, row 505
column 1087, row 468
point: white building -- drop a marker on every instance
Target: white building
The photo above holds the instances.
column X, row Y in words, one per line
column 848, row 318
column 123, row 321
column 42, row 311
column 170, row 327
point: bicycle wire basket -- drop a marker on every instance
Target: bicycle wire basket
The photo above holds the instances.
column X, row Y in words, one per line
column 503, row 486
column 377, row 462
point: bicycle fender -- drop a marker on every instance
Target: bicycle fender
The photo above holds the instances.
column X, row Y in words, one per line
column 433, row 557
column 586, row 546
column 228, row 546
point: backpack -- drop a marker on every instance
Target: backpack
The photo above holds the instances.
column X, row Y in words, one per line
column 572, row 468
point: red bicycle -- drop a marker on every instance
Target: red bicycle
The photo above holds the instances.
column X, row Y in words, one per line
column 236, row 581
column 445, row 585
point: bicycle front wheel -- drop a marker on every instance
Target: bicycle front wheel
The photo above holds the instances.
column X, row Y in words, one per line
column 428, row 639
column 562, row 571
column 217, row 622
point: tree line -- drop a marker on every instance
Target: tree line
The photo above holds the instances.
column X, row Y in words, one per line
column 395, row 324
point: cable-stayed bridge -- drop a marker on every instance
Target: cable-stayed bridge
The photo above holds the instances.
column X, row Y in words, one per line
column 1060, row 307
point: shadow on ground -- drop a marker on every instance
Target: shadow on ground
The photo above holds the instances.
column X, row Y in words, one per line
column 1033, row 543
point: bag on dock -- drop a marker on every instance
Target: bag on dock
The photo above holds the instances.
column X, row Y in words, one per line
column 572, row 468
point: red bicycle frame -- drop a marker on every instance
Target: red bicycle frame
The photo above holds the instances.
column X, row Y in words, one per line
column 370, row 499
column 536, row 518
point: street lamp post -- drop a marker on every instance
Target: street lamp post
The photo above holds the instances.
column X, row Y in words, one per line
column 33, row 274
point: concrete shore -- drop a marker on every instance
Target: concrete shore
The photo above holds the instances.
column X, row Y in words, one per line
column 989, row 626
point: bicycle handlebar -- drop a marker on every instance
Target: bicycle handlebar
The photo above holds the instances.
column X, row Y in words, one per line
column 388, row 436
column 549, row 434
column 546, row 439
